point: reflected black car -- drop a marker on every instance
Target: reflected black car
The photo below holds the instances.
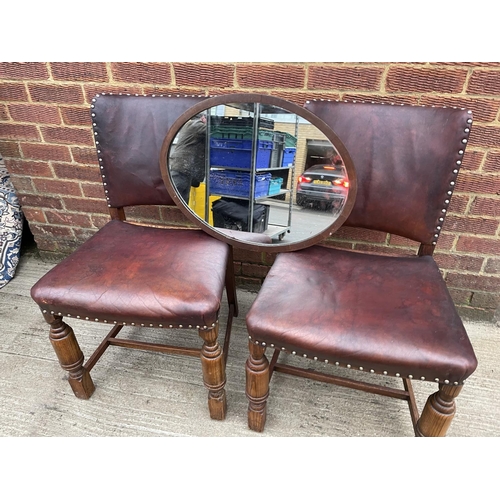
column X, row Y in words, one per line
column 322, row 186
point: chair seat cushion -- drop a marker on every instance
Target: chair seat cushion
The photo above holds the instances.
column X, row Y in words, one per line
column 390, row 315
column 128, row 273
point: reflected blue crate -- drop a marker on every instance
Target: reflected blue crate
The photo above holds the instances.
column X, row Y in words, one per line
column 231, row 183
column 238, row 153
column 223, row 132
column 275, row 185
column 288, row 157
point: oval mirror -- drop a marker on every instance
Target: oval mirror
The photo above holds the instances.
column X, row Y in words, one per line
column 258, row 171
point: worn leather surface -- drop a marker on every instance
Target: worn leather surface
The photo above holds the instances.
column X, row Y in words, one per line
column 382, row 313
column 129, row 273
column 130, row 131
column 404, row 158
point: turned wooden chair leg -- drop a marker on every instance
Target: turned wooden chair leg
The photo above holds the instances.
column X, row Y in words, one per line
column 438, row 412
column 70, row 356
column 257, row 386
column 214, row 373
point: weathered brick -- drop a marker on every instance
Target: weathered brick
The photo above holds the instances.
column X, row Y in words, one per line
column 445, row 241
column 475, row 225
column 460, row 296
column 76, row 116
column 458, row 204
column 204, row 75
column 476, row 245
column 484, row 136
column 173, row 215
column 483, row 110
column 46, row 245
column 83, row 234
column 22, row 184
column 468, row 182
column 491, row 64
column 158, row 90
column 472, row 160
column 492, row 266
column 485, row 299
column 64, row 171
column 484, row 82
column 93, row 190
column 23, row 71
column 91, row 90
column 384, row 250
column 9, row 149
column 300, row 98
column 381, row 98
column 254, row 270
column 359, row 234
column 420, row 79
column 142, row 212
column 86, row 205
column 79, row 71
column 99, row 220
column 37, row 201
column 19, row 132
column 473, row 282
column 87, row 156
column 485, row 206
column 139, row 72
column 35, row 113
column 28, row 168
column 492, row 163
column 63, row 94
column 402, row 242
column 54, row 186
column 65, row 218
column 45, row 152
column 13, row 92
column 46, row 230
column 254, row 257
column 4, row 114
column 67, row 135
column 341, row 245
column 34, row 215
column 270, row 75
column 458, row 262
column 343, row 77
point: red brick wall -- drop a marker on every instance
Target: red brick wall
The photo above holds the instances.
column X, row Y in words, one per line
column 47, row 144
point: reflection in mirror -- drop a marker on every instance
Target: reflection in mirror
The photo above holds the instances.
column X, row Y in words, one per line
column 257, row 168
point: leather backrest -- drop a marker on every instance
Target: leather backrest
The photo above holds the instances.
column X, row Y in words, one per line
column 406, row 158
column 129, row 131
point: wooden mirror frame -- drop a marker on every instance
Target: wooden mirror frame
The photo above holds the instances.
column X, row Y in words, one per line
column 287, row 106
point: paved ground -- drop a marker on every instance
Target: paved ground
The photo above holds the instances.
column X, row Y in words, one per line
column 149, row 394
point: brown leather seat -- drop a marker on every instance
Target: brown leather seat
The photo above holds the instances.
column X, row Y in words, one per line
column 136, row 275
column 382, row 314
column 425, row 339
column 157, row 277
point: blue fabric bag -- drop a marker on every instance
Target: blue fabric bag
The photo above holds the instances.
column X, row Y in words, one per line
column 11, row 227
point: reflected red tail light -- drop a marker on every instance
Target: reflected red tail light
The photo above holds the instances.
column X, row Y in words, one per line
column 341, row 182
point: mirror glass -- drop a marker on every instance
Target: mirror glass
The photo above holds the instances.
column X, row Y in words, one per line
column 258, row 173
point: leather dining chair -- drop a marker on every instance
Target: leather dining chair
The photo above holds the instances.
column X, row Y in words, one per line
column 384, row 314
column 133, row 275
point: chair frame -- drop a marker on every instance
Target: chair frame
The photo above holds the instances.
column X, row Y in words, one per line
column 213, row 357
column 439, row 408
